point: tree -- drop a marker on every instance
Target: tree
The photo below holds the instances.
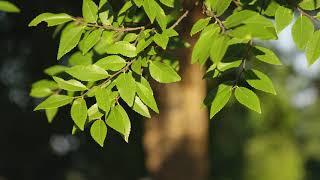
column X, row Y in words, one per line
column 113, row 52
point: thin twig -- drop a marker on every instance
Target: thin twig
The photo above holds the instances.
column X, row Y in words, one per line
column 242, row 66
column 237, row 3
column 123, row 70
column 121, row 29
column 216, row 18
column 306, row 14
column 185, row 14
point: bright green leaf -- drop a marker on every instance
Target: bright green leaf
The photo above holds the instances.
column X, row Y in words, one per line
column 200, row 25
column 94, row 113
column 267, row 56
column 69, row 40
column 51, row 113
column 54, row 70
column 259, row 81
column 98, row 132
column 54, row 101
column 169, row 3
column 103, row 99
column 141, row 108
column 51, row 19
column 163, row 73
column 91, row 40
column 302, row 31
column 221, row 98
column 122, row 47
column 161, row 40
column 113, row 63
column 79, row 112
column 70, row 85
column 248, row 98
column 119, row 121
column 145, row 93
column 283, row 18
column 313, row 48
column 88, row 73
column 89, row 11
column 127, row 87
column 218, row 48
column 8, row 7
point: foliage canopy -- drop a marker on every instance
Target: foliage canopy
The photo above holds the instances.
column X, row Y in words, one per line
column 111, row 54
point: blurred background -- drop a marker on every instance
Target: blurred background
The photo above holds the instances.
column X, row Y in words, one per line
column 281, row 144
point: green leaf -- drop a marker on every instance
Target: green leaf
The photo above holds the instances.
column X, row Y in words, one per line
column 91, row 40
column 219, row 48
column 169, row 3
column 69, row 40
column 113, row 63
column 309, row 4
column 125, row 8
column 45, row 84
column 130, row 37
column 218, row 6
column 201, row 50
column 119, row 121
column 259, row 81
column 161, row 40
column 51, row 113
column 127, row 87
column 141, row 108
column 88, row 73
column 267, row 56
column 161, row 17
column 79, row 59
column 199, row 25
column 246, row 17
column 138, row 2
column 94, row 113
column 89, row 11
column 79, row 112
column 163, row 73
column 228, row 65
column 313, row 48
column 145, row 93
column 105, row 41
column 103, row 99
column 54, row 70
column 302, row 31
column 54, row 101
column 8, row 7
column 70, row 85
column 254, row 30
column 40, row 92
column 105, row 19
column 98, row 132
column 222, row 96
column 51, row 19
column 248, row 98
column 149, row 7
column 283, row 18
column 122, row 47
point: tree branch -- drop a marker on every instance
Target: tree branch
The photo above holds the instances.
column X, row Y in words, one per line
column 121, row 29
column 185, row 14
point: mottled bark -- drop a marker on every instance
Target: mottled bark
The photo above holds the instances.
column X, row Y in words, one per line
column 176, row 141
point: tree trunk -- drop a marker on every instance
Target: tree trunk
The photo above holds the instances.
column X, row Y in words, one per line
column 176, row 141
